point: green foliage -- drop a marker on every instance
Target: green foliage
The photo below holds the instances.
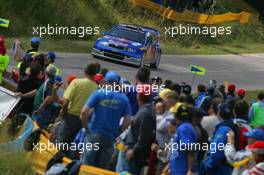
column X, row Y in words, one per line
column 14, row 163
column 25, row 14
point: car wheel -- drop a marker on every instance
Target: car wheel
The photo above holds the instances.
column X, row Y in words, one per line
column 156, row 64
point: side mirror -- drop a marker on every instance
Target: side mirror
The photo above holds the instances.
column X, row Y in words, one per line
column 104, row 33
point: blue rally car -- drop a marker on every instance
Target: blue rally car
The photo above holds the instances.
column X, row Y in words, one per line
column 133, row 44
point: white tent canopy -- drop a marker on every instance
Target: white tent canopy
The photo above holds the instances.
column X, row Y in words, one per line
column 8, row 101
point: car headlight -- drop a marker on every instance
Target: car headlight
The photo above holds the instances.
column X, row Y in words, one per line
column 103, row 43
column 131, row 50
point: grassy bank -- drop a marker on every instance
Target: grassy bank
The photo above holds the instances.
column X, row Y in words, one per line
column 252, row 95
column 12, row 161
column 104, row 14
column 75, row 46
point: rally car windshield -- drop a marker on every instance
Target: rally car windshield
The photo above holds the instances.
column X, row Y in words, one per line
column 127, row 34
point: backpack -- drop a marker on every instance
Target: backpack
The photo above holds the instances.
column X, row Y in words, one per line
column 242, row 142
column 235, row 129
column 55, row 166
column 32, row 140
column 239, row 130
column 72, row 168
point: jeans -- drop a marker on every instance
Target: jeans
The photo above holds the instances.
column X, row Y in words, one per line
column 97, row 157
column 122, row 164
column 47, row 116
column 134, row 167
column 68, row 129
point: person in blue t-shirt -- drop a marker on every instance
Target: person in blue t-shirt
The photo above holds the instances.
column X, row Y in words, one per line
column 183, row 160
column 108, row 106
column 201, row 91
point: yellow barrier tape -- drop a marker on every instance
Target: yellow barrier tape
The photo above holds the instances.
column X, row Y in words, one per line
column 198, row 18
column 40, row 160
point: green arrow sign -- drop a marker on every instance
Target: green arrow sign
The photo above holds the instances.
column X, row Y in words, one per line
column 4, row 22
column 198, row 70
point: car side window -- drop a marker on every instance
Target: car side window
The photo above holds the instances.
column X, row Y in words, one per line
column 151, row 39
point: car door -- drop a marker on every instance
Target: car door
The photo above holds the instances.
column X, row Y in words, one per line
column 150, row 49
column 157, row 49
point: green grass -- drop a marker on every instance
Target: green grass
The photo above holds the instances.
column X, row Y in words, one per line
column 103, row 13
column 252, row 95
column 12, row 161
column 75, row 46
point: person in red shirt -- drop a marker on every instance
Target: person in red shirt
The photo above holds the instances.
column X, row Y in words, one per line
column 257, row 149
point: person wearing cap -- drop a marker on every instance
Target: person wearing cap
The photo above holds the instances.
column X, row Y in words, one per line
column 46, row 110
column 183, row 161
column 50, row 60
column 98, row 78
column 73, row 100
column 242, row 159
column 34, row 47
column 101, row 117
column 70, row 78
column 34, row 44
column 257, row 149
column 231, row 91
column 241, row 93
column 24, row 67
column 256, row 113
column 4, row 58
column 215, row 163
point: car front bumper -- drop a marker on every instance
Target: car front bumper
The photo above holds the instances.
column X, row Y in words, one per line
column 111, row 55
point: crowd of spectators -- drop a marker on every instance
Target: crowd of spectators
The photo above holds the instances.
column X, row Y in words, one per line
column 137, row 129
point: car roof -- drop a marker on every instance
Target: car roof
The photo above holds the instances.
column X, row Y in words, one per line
column 139, row 28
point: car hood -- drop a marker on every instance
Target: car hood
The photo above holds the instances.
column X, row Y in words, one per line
column 121, row 41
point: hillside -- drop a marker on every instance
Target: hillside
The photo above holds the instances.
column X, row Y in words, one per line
column 25, row 14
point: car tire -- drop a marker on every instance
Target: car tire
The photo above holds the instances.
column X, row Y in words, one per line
column 156, row 64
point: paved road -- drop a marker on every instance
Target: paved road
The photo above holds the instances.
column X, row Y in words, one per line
column 247, row 71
